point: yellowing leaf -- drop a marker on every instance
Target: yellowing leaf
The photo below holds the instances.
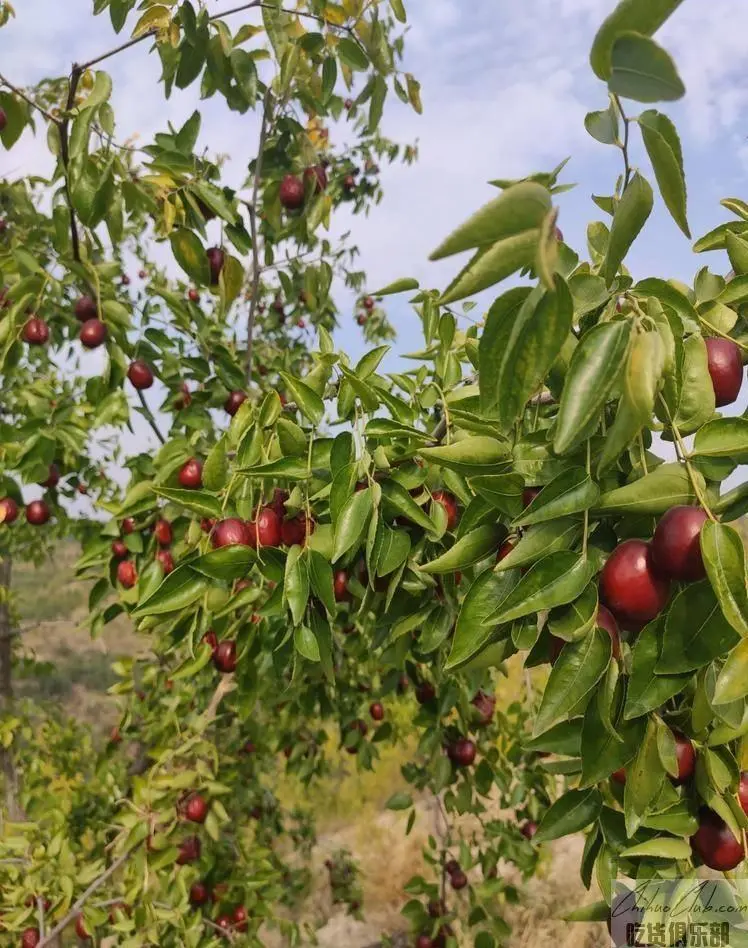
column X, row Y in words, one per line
column 157, row 18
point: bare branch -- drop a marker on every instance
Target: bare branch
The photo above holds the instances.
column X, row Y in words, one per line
column 22, row 95
column 64, row 127
column 149, row 417
column 78, row 905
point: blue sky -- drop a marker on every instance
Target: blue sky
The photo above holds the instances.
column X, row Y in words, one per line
column 506, row 85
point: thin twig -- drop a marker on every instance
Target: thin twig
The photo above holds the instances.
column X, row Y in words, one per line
column 253, row 230
column 681, row 450
column 78, row 905
column 625, row 145
column 40, row 915
column 64, row 126
column 22, row 95
column 225, row 685
column 149, row 417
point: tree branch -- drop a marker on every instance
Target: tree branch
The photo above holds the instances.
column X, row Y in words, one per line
column 22, row 95
column 64, row 127
column 149, row 417
column 7, row 764
column 625, row 145
column 253, row 230
column 78, row 905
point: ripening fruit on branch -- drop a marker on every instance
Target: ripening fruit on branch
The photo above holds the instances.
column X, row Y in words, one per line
column 240, row 918
column 80, row 929
column 189, row 851
column 36, row 332
column 317, row 175
column 196, row 808
column 676, row 544
column 267, row 528
column 166, row 560
column 449, row 503
column 291, row 192
column 30, row 938
column 725, row 369
column 216, row 259
column 193, row 296
column 127, row 574
column 53, row 477
column 376, row 710
column 191, row 474
column 425, row 692
column 93, row 333
column 368, row 303
column 119, row 550
column 715, row 843
column 140, row 375
column 234, row 402
column 37, row 513
column 529, row 494
column 295, row 531
column 162, row 532
column 529, row 829
column 199, row 893
column 485, row 706
column 9, row 509
column 224, row 657
column 458, row 880
column 686, row 756
column 631, row 587
column 462, row 752
column 231, row 532
column 606, row 620
column 85, row 308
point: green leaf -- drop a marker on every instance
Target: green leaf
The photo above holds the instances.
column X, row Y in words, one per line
column 644, row 779
column 321, row 578
column 471, row 456
column 574, row 621
column 308, row 401
column 305, row 643
column 688, row 391
column 603, row 125
column 100, row 92
column 369, row 363
column 593, row 370
column 664, row 150
column 648, row 691
column 399, row 801
column 723, row 551
column 190, row 255
column 473, row 630
column 571, row 813
column 641, row 380
column 554, row 581
column 578, row 669
column 661, row 848
column 398, row 498
column 226, row 564
column 403, row 285
column 641, row 16
column 469, row 549
column 493, row 264
column 539, row 541
column 723, row 438
column 179, row 590
column 352, row 523
column 291, row 468
column 296, row 584
column 573, row 491
column 564, row 738
column 655, row 493
column 501, row 491
column 519, row 208
column 216, row 467
column 630, row 216
column 386, row 428
column 643, row 71
column 504, row 311
column 604, row 752
column 198, row 501
column 732, row 681
column 352, row 54
column 391, row 550
column 696, row 631
column 230, row 281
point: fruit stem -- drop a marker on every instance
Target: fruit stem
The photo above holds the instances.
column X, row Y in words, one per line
column 683, row 454
column 252, row 206
column 722, row 335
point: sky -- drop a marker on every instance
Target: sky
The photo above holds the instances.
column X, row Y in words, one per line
column 505, row 88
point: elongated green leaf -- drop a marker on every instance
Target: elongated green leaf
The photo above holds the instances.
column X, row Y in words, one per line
column 663, row 847
column 640, row 16
column 571, row 813
column 723, row 438
column 294, row 469
column 391, row 550
column 305, row 643
column 321, row 579
column 352, row 522
column 352, row 54
column 631, row 215
column 296, row 583
column 593, row 370
column 471, row 456
column 696, row 631
column 556, row 580
column 603, row 750
column 502, row 313
column 603, row 125
column 398, row 498
column 688, row 391
column 654, row 493
column 493, row 264
column 306, row 398
column 178, row 591
column 664, row 150
column 539, row 541
column 216, row 467
column 198, row 501
column 403, row 285
column 469, row 549
column 226, row 564
column 571, row 492
column 644, row 779
column 648, row 691
column 574, row 621
column 190, row 255
column 473, row 630
column 502, row 491
column 732, row 682
column 643, row 71
column 578, row 669
column 724, row 557
column 386, row 428
column 519, row 208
